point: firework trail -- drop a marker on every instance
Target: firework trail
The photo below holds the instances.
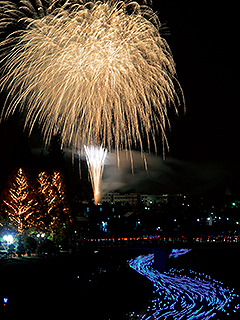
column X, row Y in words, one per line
column 95, row 160
column 97, row 72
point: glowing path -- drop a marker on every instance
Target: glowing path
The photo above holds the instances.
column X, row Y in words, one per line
column 178, row 252
column 179, row 296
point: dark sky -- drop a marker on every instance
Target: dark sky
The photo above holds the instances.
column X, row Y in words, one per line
column 203, row 41
column 203, row 38
column 204, row 143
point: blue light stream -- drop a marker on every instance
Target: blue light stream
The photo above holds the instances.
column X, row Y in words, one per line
column 184, row 295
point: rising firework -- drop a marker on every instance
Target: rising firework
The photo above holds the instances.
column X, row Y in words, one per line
column 95, row 160
column 97, row 72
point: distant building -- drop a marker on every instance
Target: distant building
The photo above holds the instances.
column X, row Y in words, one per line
column 209, row 221
column 134, row 199
column 144, row 199
column 150, row 199
column 106, row 198
column 163, row 198
column 109, row 198
column 116, row 197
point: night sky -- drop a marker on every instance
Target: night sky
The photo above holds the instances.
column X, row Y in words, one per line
column 204, row 143
column 203, row 42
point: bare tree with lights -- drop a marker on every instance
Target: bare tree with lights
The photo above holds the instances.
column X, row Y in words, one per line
column 53, row 208
column 20, row 202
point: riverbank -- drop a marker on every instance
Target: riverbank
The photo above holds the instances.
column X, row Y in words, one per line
column 98, row 285
column 90, row 285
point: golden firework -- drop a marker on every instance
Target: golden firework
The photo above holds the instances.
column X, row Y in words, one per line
column 97, row 72
column 95, row 160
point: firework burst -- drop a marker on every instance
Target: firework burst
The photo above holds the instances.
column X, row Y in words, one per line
column 95, row 160
column 97, row 72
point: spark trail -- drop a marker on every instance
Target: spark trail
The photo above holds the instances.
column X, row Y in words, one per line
column 95, row 160
column 97, row 72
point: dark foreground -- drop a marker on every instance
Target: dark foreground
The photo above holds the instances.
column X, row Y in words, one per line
column 99, row 285
column 86, row 286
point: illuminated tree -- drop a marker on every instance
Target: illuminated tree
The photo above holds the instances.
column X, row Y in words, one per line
column 20, row 202
column 47, row 196
column 45, row 207
column 53, row 208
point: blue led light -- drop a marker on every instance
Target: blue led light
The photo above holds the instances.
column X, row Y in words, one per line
column 181, row 295
column 178, row 252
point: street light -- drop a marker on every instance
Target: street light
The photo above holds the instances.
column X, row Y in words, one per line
column 8, row 238
column 42, row 235
column 5, row 301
